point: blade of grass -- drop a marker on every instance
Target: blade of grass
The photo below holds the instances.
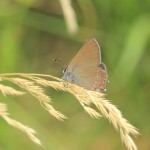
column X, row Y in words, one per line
column 134, row 49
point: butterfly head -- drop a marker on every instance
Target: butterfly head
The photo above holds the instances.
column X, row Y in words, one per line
column 64, row 70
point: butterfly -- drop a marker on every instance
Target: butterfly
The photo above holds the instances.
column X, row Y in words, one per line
column 86, row 68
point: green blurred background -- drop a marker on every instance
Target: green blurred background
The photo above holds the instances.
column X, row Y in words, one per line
column 34, row 32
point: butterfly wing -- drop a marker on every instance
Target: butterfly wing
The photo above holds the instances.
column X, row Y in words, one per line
column 87, row 68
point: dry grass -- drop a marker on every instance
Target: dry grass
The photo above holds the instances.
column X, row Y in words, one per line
column 69, row 15
column 35, row 84
column 28, row 131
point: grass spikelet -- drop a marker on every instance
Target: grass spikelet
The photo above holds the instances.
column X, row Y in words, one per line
column 92, row 112
column 107, row 110
column 6, row 90
column 35, row 84
column 27, row 130
column 37, row 92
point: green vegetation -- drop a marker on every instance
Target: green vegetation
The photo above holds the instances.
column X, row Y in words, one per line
column 33, row 32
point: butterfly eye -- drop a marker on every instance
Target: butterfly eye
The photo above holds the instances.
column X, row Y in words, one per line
column 64, row 70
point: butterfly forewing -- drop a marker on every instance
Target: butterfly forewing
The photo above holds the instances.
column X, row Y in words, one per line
column 89, row 53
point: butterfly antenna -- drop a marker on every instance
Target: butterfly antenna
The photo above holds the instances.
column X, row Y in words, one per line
column 60, row 62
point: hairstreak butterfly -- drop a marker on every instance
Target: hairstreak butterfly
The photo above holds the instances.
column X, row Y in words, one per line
column 86, row 69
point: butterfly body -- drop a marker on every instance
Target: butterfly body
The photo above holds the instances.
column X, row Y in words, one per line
column 86, row 68
column 69, row 76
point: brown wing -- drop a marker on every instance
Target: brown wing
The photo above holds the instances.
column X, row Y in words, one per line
column 87, row 67
column 90, row 51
